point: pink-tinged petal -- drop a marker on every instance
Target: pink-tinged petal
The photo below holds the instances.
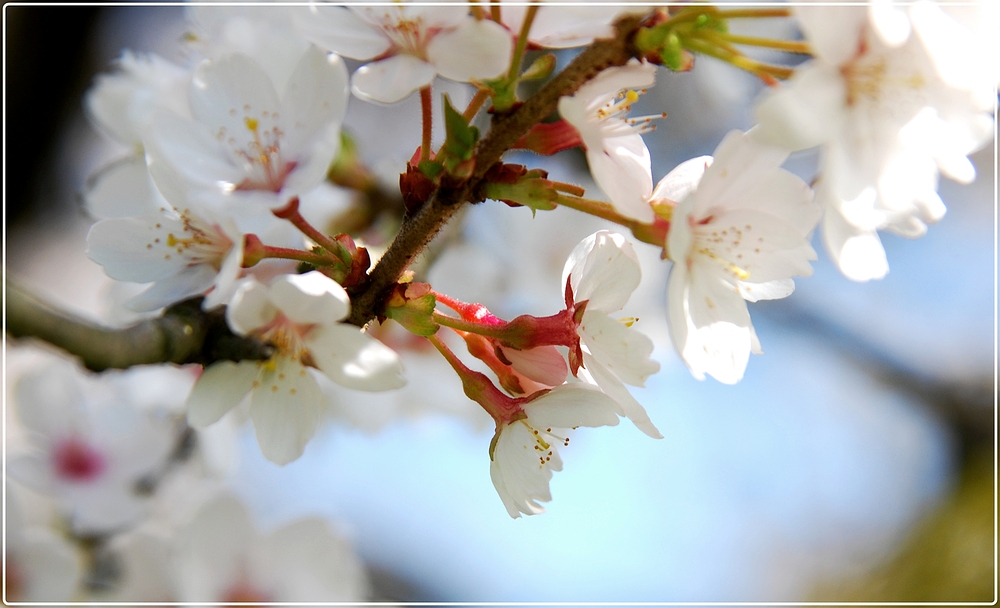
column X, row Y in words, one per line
column 614, row 388
column 310, row 298
column 857, row 252
column 604, row 270
column 342, row 31
column 212, row 550
column 682, row 180
column 571, row 405
column 285, row 410
column 251, row 308
column 189, row 282
column 805, row 111
column 227, row 91
column 475, row 50
column 622, row 350
column 137, row 249
column 545, row 364
column 444, row 16
column 354, row 360
column 121, row 189
column 391, row 80
column 621, row 168
column 219, row 389
column 771, row 290
column 314, row 98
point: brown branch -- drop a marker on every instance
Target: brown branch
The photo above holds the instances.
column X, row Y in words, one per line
column 184, row 333
column 418, row 229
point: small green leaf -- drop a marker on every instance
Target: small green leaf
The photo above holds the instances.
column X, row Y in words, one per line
column 415, row 315
column 540, row 68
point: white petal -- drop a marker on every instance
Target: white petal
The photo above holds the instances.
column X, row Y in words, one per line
column 353, row 359
column 285, row 410
column 315, row 96
column 613, row 387
column 566, row 25
column 520, row 479
column 390, row 80
column 224, row 92
column 603, row 269
column 251, row 308
column 310, row 298
column 856, row 251
column 212, row 550
column 832, row 31
column 475, row 50
column 122, row 189
column 342, row 31
column 805, row 111
column 220, row 388
column 771, row 290
column 682, row 180
column 545, row 364
column 622, row 350
column 177, row 147
column 312, row 564
column 189, row 282
column 136, row 249
column 621, row 168
column 225, row 281
column 572, row 405
column 50, row 565
column 889, row 22
column 757, row 247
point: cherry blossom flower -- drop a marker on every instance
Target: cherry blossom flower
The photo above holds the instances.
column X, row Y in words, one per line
column 91, row 447
column 181, row 252
column 299, row 315
column 245, row 145
column 887, row 121
column 616, row 154
column 525, row 451
column 410, row 43
column 603, row 271
column 221, row 557
column 739, row 231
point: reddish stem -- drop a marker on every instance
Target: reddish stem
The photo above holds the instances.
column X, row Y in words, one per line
column 425, row 107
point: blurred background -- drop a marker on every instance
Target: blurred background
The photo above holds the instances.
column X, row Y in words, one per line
column 855, row 461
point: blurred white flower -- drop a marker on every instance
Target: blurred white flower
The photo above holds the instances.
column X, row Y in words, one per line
column 221, row 557
column 246, row 145
column 616, row 154
column 410, row 43
column 887, row 121
column 92, row 446
column 739, row 231
column 299, row 315
column 603, row 271
column 182, row 252
column 40, row 566
column 524, row 451
column 563, row 24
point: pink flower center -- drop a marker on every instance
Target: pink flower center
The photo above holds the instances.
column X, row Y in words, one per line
column 75, row 461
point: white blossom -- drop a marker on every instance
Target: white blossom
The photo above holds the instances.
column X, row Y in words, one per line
column 887, row 121
column 563, row 24
column 246, row 147
column 739, row 232
column 221, row 557
column 617, row 156
column 91, row 446
column 40, row 565
column 603, row 271
column 410, row 44
column 525, row 451
column 299, row 315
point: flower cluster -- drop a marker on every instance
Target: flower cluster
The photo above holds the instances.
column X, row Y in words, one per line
column 240, row 167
